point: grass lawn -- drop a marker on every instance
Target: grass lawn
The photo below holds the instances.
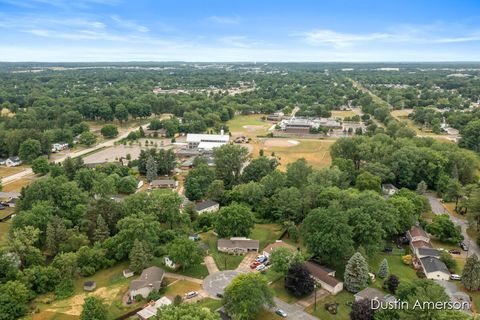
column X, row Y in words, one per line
column 282, row 293
column 4, row 228
column 343, row 113
column 210, row 303
column 199, row 271
column 248, row 125
column 475, row 295
column 8, row 171
column 444, row 245
column 266, row 233
column 224, row 261
column 6, row 212
column 181, row 287
column 316, row 152
column 268, row 315
column 343, row 298
column 17, row 185
column 396, row 267
column 272, row 275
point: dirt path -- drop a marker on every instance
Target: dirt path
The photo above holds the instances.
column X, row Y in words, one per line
column 210, row 264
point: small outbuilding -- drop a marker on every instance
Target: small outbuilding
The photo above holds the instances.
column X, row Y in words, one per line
column 89, row 285
column 127, row 273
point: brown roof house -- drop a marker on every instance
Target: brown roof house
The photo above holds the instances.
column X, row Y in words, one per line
column 238, row 245
column 418, row 239
column 325, row 277
column 150, row 280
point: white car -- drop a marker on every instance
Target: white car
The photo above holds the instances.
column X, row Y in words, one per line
column 455, row 277
column 281, row 313
column 191, row 294
column 260, row 267
column 260, row 258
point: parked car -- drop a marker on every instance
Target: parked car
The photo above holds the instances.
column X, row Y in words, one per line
column 281, row 313
column 254, row 265
column 219, row 295
column 191, row 294
column 454, row 251
column 260, row 267
column 2, row 207
column 463, row 246
column 455, row 277
column 261, row 259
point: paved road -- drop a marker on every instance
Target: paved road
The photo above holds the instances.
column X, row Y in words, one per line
column 438, row 208
column 217, row 282
column 109, row 143
column 293, row 311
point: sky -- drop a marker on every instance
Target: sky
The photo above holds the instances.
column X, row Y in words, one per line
column 239, row 30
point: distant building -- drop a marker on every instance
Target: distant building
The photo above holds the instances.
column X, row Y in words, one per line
column 304, row 125
column 325, row 277
column 3, row 162
column 206, row 142
column 238, row 245
column 267, row 251
column 151, row 309
column 164, row 184
column 207, row 206
column 13, row 162
column 276, row 116
column 56, row 147
column 389, row 189
column 150, row 280
column 127, row 273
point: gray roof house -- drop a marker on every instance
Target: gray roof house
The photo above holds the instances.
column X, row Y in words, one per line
column 150, row 280
column 434, row 268
column 167, row 183
column 207, row 206
column 428, row 252
column 238, row 245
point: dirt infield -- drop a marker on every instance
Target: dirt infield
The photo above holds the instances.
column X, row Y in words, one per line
column 281, row 143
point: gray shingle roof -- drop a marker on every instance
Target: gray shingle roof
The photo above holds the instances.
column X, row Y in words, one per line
column 199, row 206
column 431, row 264
column 150, row 276
column 428, row 252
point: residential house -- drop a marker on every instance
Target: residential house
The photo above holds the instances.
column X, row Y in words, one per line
column 276, row 116
column 434, row 268
column 164, row 184
column 187, row 164
column 207, row 206
column 427, row 252
column 389, row 189
column 56, row 147
column 150, row 280
column 325, row 277
column 13, row 162
column 127, row 273
column 151, row 309
column 373, row 294
column 2, row 162
column 267, row 251
column 238, row 245
column 418, row 239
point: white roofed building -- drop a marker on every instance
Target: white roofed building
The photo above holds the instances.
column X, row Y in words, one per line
column 206, row 141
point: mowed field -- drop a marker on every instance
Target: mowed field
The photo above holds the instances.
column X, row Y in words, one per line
column 316, row 152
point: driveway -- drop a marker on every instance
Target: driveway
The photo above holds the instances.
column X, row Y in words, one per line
column 438, row 208
column 210, row 264
column 294, row 311
column 249, row 258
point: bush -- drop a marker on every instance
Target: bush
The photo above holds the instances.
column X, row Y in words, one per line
column 407, row 259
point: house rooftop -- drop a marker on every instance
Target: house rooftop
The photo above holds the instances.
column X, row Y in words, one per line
column 371, row 293
column 162, row 182
column 417, row 232
column 150, row 276
column 278, row 244
column 151, row 310
column 432, row 264
column 238, row 243
column 197, row 138
column 10, row 195
column 321, row 273
column 199, row 206
column 431, row 252
column 421, row 244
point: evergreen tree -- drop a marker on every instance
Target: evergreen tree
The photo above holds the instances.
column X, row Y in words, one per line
column 151, row 169
column 93, row 309
column 139, row 256
column 356, row 273
column 392, row 283
column 383, row 270
column 101, row 231
column 471, row 273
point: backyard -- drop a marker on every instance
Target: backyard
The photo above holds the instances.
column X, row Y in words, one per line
column 344, row 300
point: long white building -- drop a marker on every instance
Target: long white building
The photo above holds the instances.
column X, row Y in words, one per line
column 206, row 141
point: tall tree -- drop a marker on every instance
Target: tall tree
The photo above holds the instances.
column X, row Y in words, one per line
column 29, row 150
column 14, row 297
column 139, row 256
column 383, row 269
column 151, row 168
column 101, row 231
column 235, row 220
column 93, row 309
column 185, row 252
column 190, row 311
column 356, row 273
column 247, row 295
column 471, row 273
column 362, row 310
column 229, row 160
column 299, row 281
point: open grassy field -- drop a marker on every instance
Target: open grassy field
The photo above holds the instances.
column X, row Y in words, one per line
column 224, row 261
column 402, row 113
column 16, row 186
column 266, row 233
column 111, row 286
column 248, row 125
column 343, row 113
column 316, row 152
column 343, row 299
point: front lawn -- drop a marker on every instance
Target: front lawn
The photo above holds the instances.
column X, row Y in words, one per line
column 181, row 287
column 224, row 261
column 266, row 233
column 344, row 300
column 212, row 304
column 282, row 293
column 395, row 265
column 197, row 271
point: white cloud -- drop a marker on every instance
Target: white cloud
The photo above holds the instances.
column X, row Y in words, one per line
column 224, row 19
column 337, row 39
column 127, row 24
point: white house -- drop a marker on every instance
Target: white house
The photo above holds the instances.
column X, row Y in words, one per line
column 13, row 162
column 207, row 206
column 56, row 147
column 150, row 280
column 325, row 277
column 434, row 269
column 151, row 309
column 238, row 245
